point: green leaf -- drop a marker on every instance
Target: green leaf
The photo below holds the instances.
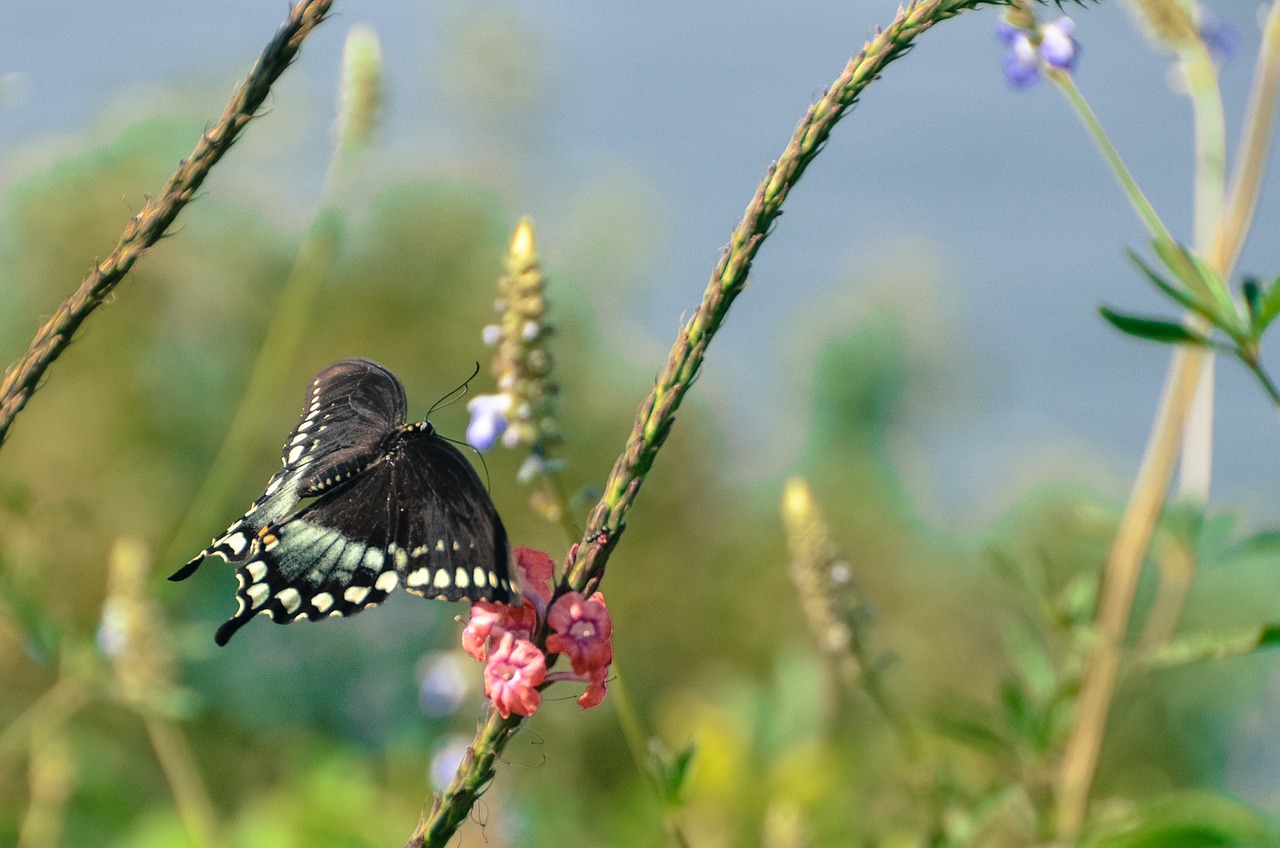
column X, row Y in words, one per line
column 1202, row 280
column 1268, row 306
column 671, row 770
column 971, row 732
column 1187, row 299
column 1190, row 820
column 1205, row 646
column 1152, row 329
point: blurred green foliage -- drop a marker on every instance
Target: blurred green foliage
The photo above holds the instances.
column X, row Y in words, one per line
column 312, row 734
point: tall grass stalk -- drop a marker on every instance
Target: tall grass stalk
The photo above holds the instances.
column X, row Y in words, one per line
column 23, row 377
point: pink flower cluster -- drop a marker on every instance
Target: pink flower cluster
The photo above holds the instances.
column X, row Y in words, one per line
column 515, row 669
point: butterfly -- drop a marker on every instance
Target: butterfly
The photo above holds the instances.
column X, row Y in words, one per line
column 364, row 502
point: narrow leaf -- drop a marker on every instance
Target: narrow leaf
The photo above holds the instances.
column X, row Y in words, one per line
column 1195, row 648
column 1268, row 306
column 1187, row 299
column 1202, row 280
column 1152, row 329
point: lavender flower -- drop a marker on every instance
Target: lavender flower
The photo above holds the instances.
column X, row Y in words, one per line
column 488, row 420
column 1052, row 44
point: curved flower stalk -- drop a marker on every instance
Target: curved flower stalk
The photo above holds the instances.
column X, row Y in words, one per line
column 586, row 561
column 145, row 229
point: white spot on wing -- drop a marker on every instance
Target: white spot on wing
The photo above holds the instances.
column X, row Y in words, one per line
column 322, row 601
column 441, row 580
column 419, row 578
column 356, row 594
column 295, row 453
column 257, row 594
column 387, row 581
column 374, row 558
column 257, row 570
column 237, row 543
column 273, row 486
column 290, row 599
column 460, row 578
column 479, row 575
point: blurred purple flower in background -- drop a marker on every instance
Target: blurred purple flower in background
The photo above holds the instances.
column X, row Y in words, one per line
column 1056, row 47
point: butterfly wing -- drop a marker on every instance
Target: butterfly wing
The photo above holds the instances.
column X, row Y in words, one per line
column 449, row 540
column 418, row 517
column 352, row 406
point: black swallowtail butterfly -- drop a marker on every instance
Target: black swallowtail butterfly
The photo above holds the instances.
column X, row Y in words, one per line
column 363, row 504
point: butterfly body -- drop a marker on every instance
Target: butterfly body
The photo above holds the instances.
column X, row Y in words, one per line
column 363, row 503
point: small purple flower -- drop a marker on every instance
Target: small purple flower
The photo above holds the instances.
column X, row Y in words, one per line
column 1057, row 48
column 488, row 420
column 1220, row 38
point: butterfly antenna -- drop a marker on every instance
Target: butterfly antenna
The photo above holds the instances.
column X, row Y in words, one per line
column 456, row 394
column 488, row 483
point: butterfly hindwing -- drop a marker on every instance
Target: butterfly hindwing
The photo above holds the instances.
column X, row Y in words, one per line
column 351, row 406
column 418, row 517
column 450, row 542
column 314, row 564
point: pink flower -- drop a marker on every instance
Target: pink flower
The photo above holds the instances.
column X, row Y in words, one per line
column 583, row 632
column 535, row 571
column 490, row 621
column 512, row 675
column 594, row 694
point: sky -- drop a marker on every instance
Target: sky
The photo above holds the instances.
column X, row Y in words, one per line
column 982, row 212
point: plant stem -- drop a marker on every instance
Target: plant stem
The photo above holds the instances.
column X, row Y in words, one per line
column 1133, row 537
column 23, row 377
column 179, row 766
column 1264, row 378
column 1254, row 146
column 1195, row 468
column 657, row 413
column 1124, row 563
column 1091, row 124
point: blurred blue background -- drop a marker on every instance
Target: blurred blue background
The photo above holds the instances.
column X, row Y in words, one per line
column 983, row 211
column 920, row 337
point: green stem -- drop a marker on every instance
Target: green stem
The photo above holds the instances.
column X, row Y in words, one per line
column 1264, row 378
column 1091, row 124
column 23, row 377
column 653, row 422
column 179, row 766
column 1254, row 146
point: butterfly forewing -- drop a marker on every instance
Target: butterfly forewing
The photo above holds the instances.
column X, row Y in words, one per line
column 363, row 504
column 351, row 406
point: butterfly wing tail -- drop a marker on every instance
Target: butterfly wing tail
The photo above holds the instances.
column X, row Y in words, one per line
column 231, row 625
column 190, row 568
column 233, row 546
